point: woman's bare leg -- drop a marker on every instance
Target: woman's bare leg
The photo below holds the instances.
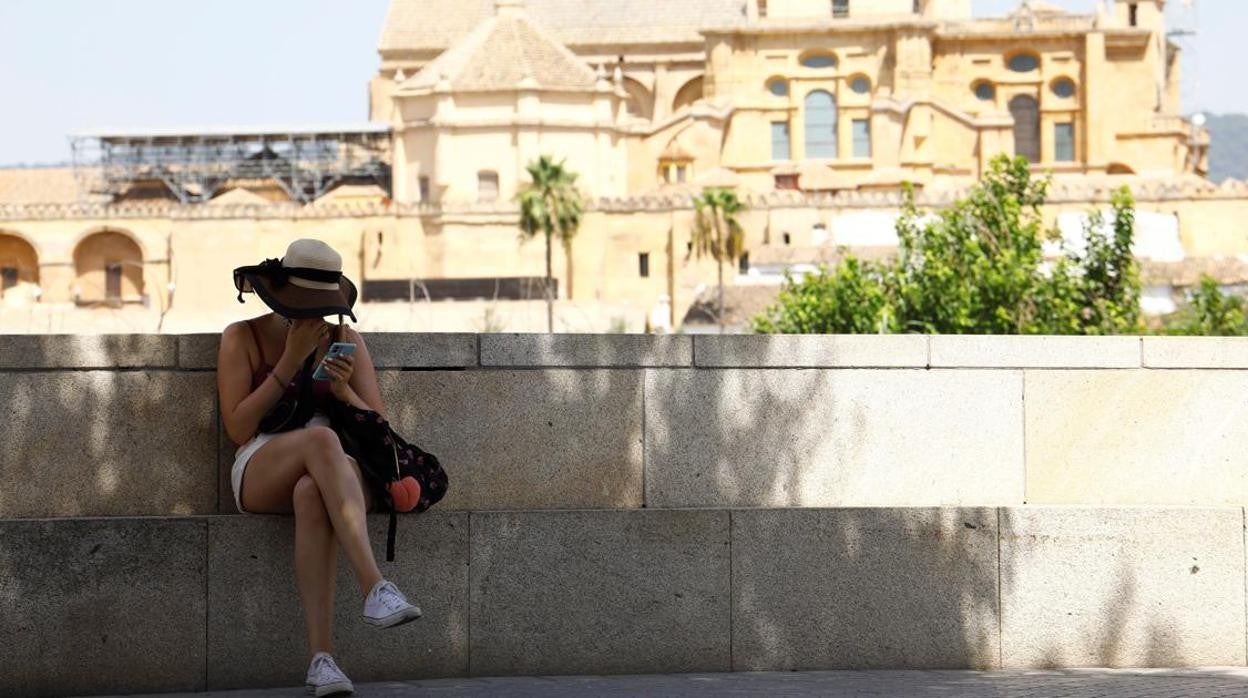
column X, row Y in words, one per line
column 269, row 482
column 316, row 557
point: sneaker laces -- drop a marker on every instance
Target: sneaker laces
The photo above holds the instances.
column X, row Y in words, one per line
column 324, row 668
column 388, row 595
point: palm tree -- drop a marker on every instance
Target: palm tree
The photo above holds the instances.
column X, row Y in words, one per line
column 552, row 205
column 717, row 232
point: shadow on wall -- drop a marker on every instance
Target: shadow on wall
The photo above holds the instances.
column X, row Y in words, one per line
column 821, row 588
column 107, row 442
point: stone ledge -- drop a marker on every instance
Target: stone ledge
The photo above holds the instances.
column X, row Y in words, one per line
column 105, row 351
column 586, row 350
column 466, row 350
column 188, row 603
column 1034, row 351
column 810, row 351
column 388, row 349
column 1195, row 352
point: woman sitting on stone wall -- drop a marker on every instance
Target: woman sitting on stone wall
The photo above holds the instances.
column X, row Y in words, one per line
column 290, row 460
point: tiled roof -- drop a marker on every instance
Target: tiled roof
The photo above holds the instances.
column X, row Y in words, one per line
column 500, row 52
column 435, row 24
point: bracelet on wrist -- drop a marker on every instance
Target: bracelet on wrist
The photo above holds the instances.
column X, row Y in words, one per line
column 280, row 383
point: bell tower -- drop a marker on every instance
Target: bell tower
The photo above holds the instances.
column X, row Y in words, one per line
column 1144, row 14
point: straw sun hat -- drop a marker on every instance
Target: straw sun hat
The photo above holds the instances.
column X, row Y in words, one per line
column 306, row 283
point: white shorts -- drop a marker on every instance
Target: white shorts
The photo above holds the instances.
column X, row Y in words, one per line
column 247, row 450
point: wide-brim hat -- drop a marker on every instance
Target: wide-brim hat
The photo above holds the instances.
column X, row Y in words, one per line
column 306, row 283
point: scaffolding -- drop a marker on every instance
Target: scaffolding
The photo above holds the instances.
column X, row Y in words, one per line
column 195, row 164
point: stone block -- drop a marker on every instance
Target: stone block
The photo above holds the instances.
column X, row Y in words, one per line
column 107, row 443
column 1195, row 352
column 32, row 351
column 527, row 439
column 609, row 350
column 92, row 606
column 198, row 351
column 1034, row 351
column 1114, row 438
column 600, row 592
column 256, row 631
column 872, row 588
column 421, row 350
column 1146, row 587
column 811, row 351
column 876, row 437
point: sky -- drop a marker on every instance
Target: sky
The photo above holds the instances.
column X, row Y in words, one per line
column 78, row 65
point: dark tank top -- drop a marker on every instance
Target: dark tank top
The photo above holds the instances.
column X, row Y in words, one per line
column 320, row 389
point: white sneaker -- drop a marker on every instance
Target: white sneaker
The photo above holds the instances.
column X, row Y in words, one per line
column 385, row 606
column 326, row 679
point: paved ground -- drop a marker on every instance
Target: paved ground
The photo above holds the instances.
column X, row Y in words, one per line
column 1076, row 683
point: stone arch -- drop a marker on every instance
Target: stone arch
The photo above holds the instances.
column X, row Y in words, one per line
column 19, row 266
column 108, row 267
column 640, row 101
column 1118, row 168
column 689, row 93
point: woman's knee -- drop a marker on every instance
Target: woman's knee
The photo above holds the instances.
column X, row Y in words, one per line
column 322, row 441
column 306, row 499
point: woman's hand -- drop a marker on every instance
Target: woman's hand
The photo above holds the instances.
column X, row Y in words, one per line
column 340, row 370
column 303, row 337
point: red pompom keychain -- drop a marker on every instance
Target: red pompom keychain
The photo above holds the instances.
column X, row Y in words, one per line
column 405, row 493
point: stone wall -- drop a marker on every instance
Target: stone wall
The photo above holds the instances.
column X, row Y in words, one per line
column 636, row 504
column 630, row 421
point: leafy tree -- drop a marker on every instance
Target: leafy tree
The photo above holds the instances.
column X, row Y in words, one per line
column 551, row 204
column 849, row 298
column 718, row 233
column 978, row 267
column 1210, row 312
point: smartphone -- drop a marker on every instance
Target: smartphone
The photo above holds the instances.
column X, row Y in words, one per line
column 335, row 350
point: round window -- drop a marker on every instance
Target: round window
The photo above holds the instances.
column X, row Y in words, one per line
column 860, row 85
column 1024, row 63
column 819, row 60
column 778, row 87
column 985, row 91
column 1064, row 88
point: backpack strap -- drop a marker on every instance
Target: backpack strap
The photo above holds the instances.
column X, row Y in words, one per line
column 394, row 520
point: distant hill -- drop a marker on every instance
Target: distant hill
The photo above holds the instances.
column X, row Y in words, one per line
column 1228, row 152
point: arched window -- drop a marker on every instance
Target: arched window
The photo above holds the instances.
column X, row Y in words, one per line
column 487, row 186
column 778, row 87
column 109, row 268
column 690, row 93
column 1064, row 88
column 818, row 59
column 1026, row 112
column 860, row 85
column 19, row 265
column 820, row 125
column 984, row 91
column 1023, row 62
